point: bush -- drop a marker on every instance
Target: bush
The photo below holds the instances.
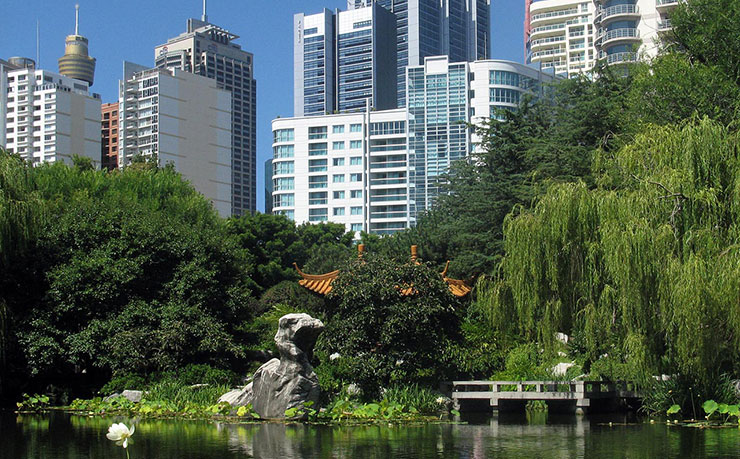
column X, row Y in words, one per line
column 422, row 399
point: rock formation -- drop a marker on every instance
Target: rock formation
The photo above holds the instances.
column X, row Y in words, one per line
column 288, row 382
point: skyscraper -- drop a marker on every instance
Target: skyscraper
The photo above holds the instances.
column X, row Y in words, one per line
column 458, row 29
column 342, row 59
column 313, row 64
column 208, row 50
column 366, row 59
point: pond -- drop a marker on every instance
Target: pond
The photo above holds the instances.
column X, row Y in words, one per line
column 60, row 435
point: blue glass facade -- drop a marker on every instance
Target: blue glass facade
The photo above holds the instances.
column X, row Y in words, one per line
column 437, row 130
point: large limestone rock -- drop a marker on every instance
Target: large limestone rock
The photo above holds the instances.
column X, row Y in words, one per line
column 288, row 382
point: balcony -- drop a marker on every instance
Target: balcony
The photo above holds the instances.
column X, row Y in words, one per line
column 616, row 11
column 664, row 25
column 546, row 41
column 549, row 29
column 549, row 52
column 550, row 15
column 616, row 35
column 620, row 58
column 665, row 5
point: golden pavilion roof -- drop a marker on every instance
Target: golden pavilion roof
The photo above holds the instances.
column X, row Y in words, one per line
column 321, row 283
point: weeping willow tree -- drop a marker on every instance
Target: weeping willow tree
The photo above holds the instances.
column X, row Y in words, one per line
column 644, row 267
column 20, row 215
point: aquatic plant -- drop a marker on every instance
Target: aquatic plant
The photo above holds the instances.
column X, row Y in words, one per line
column 121, row 434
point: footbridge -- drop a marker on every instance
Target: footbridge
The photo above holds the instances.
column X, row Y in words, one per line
column 582, row 395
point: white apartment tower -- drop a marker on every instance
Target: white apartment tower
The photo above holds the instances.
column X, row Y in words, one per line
column 570, row 36
column 560, row 36
column 630, row 29
column 347, row 168
column 49, row 117
column 208, row 50
column 185, row 120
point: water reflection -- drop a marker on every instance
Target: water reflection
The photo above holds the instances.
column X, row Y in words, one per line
column 512, row 436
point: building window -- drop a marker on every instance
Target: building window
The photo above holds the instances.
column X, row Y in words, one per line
column 356, row 227
column 354, row 194
column 338, row 178
column 355, row 144
column 317, row 165
column 283, row 167
column 283, row 135
column 318, row 215
column 355, row 177
column 338, row 129
column 338, row 161
column 338, row 195
column 355, row 128
column 338, row 211
column 355, row 210
column 283, row 151
column 281, row 184
column 283, row 200
column 337, row 145
column 355, row 161
column 318, row 181
column 317, row 198
column 288, row 213
column 318, row 132
column 317, row 149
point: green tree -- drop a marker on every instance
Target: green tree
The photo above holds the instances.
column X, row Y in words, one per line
column 644, row 267
column 708, row 31
column 21, row 216
column 382, row 336
column 673, row 87
column 275, row 243
column 133, row 272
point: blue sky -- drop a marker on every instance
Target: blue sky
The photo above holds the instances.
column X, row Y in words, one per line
column 121, row 30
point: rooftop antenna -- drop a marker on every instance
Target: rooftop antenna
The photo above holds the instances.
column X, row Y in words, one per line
column 77, row 19
column 205, row 16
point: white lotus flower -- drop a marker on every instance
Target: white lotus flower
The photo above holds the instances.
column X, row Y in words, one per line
column 334, row 356
column 120, row 434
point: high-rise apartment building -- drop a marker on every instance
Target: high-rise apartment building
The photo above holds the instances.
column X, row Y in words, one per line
column 627, row 29
column 459, row 29
column 185, row 120
column 346, row 168
column 208, row 50
column 50, row 117
column 570, row 36
column 6, row 67
column 343, row 59
column 109, row 136
column 375, row 171
column 560, row 35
